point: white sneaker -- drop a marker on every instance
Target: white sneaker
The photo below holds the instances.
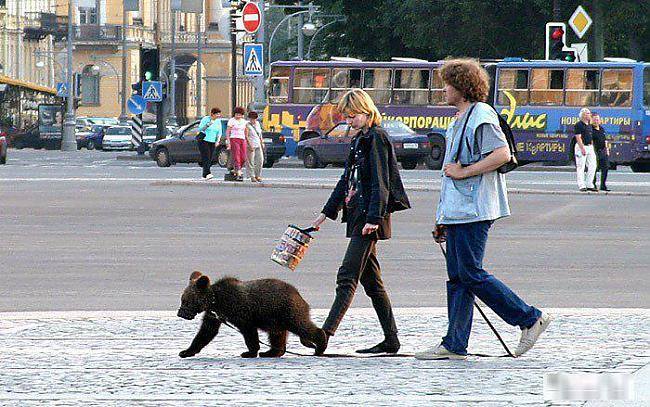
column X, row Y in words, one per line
column 439, row 353
column 530, row 335
column 209, row 176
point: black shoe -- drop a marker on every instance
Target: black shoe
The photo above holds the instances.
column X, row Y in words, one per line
column 583, row 189
column 592, row 189
column 605, row 189
column 391, row 345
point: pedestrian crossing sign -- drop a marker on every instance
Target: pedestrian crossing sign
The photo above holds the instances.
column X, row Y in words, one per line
column 253, row 59
column 62, row 89
column 152, row 91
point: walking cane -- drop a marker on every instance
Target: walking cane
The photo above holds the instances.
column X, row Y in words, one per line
column 444, row 253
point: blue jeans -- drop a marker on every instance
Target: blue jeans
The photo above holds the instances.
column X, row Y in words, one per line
column 465, row 250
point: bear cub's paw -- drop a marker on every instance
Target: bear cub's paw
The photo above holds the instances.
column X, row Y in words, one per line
column 249, row 354
column 272, row 353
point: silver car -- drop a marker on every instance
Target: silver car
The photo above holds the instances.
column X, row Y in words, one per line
column 117, row 138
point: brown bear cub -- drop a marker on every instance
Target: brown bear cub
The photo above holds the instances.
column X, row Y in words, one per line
column 267, row 304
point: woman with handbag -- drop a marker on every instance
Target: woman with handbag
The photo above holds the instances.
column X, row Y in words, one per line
column 369, row 190
column 209, row 135
column 472, row 196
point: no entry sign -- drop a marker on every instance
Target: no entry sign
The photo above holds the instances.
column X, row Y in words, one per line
column 251, row 17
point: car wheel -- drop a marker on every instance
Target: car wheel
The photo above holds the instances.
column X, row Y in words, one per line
column 435, row 159
column 310, row 159
column 409, row 164
column 162, row 158
column 90, row 145
column 222, row 157
column 640, row 167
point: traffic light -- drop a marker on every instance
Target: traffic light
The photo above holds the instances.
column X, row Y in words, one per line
column 569, row 55
column 555, row 40
column 149, row 64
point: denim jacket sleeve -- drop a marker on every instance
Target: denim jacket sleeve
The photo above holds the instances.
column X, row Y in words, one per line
column 337, row 197
column 379, row 181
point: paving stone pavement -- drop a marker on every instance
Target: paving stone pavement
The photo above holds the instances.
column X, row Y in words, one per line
column 130, row 358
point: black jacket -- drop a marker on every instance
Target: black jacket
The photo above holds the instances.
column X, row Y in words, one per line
column 379, row 185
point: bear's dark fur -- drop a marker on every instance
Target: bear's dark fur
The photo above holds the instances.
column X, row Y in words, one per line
column 267, row 304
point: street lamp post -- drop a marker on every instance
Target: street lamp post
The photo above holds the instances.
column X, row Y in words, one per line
column 123, row 116
column 311, row 42
column 172, row 68
column 311, row 10
column 68, row 140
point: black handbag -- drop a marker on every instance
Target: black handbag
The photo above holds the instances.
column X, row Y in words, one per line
column 200, row 136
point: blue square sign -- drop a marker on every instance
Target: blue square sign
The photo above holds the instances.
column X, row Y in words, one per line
column 253, row 59
column 152, row 91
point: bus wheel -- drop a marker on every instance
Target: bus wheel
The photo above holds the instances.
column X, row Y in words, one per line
column 640, row 167
column 409, row 164
column 310, row 159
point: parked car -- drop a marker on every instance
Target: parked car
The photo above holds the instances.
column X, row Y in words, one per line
column 29, row 138
column 91, row 139
column 117, row 138
column 333, row 147
column 151, row 135
column 182, row 147
column 3, row 149
column 9, row 131
column 89, row 121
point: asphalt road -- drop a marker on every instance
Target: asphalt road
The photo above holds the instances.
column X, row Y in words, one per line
column 85, row 232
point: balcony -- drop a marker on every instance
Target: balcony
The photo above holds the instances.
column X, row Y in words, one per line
column 38, row 25
column 110, row 34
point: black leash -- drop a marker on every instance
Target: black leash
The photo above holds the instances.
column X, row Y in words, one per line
column 509, row 354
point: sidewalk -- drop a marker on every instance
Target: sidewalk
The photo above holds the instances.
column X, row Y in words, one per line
column 130, row 358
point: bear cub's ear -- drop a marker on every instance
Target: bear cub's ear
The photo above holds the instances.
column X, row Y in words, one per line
column 203, row 282
column 195, row 275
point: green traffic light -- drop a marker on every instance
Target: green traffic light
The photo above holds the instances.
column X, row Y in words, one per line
column 148, row 75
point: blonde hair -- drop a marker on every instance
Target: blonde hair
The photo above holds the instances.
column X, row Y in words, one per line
column 583, row 112
column 357, row 101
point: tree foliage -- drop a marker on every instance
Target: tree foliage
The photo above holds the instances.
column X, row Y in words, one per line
column 436, row 29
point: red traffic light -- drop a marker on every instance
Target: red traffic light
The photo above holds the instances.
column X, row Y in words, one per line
column 557, row 34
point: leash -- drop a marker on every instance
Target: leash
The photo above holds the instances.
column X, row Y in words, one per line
column 508, row 353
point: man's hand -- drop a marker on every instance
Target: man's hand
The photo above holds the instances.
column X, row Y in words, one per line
column 440, row 233
column 369, row 228
column 455, row 171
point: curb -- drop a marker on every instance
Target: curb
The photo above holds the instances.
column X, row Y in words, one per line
column 291, row 185
column 143, row 157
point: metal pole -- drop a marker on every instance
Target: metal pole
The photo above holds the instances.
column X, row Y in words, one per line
column 233, row 59
column 172, row 74
column 259, row 81
column 301, row 38
column 313, row 37
column 123, row 116
column 275, row 30
column 68, row 140
column 199, row 61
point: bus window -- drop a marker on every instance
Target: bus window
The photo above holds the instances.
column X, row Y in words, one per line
column 342, row 81
column 617, row 88
column 646, row 86
column 515, row 82
column 310, row 85
column 377, row 82
column 547, row 86
column 279, row 84
column 582, row 87
column 411, row 87
column 437, row 93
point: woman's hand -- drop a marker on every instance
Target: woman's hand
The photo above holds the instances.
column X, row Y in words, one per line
column 227, row 144
column 318, row 221
column 454, row 171
column 440, row 233
column 369, row 228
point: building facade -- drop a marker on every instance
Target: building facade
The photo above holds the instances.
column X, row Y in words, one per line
column 34, row 49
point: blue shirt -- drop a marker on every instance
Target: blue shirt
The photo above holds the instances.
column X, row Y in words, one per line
column 212, row 131
column 478, row 198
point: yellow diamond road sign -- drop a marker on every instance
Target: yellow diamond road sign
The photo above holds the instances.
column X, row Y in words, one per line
column 580, row 22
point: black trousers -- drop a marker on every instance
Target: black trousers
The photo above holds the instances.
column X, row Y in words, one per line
column 206, row 149
column 360, row 264
column 603, row 164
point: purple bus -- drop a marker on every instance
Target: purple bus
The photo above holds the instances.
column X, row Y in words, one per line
column 539, row 99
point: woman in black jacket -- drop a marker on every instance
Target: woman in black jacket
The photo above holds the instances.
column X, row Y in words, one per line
column 369, row 190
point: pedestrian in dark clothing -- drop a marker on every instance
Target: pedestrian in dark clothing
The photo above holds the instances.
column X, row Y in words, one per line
column 369, row 190
column 602, row 150
column 208, row 137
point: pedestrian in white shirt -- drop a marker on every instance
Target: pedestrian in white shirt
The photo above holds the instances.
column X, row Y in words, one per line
column 236, row 140
column 255, row 148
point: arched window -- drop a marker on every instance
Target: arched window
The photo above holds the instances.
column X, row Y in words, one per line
column 90, row 81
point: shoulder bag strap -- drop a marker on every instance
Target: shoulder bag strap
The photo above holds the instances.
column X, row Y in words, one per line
column 462, row 135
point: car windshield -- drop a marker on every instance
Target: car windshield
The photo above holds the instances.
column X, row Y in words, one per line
column 119, row 130
column 150, row 131
column 96, row 128
column 105, row 121
column 396, row 126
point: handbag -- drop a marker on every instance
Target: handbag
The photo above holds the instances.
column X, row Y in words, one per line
column 200, row 136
